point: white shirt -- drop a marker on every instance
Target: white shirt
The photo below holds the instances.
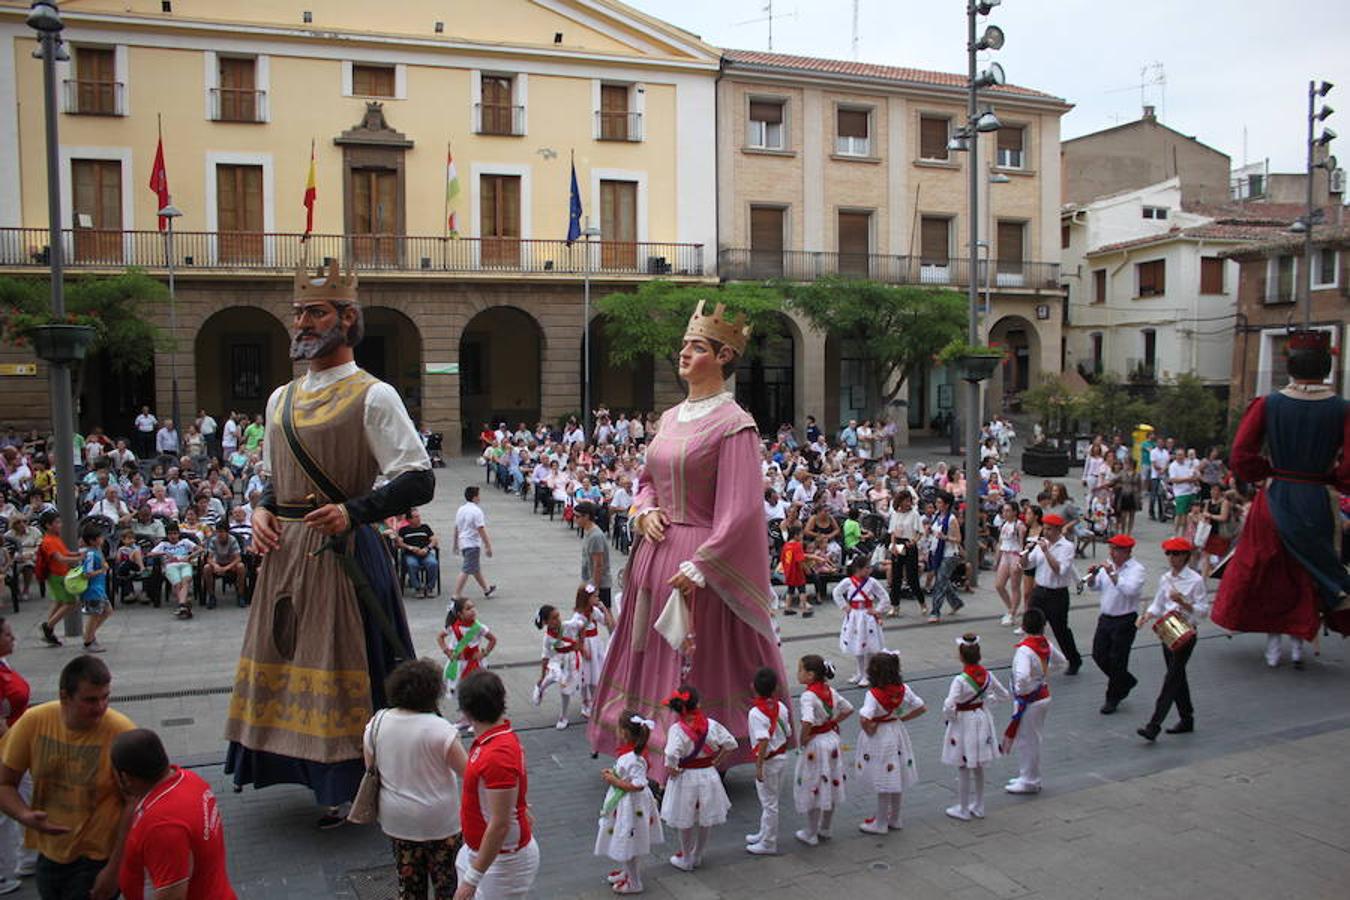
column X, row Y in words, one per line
column 389, row 431
column 1158, row 459
column 208, row 426
column 679, row 744
column 145, row 423
column 1062, row 551
column 1120, row 597
column 111, row 509
column 1183, row 469
column 814, row 712
column 759, row 728
column 845, row 594
column 1027, row 673
column 1188, row 584
column 230, row 436
column 468, row 520
column 419, row 793
column 906, row 525
column 775, row 510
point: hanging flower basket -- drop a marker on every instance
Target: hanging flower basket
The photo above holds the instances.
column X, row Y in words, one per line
column 62, row 343
column 973, row 362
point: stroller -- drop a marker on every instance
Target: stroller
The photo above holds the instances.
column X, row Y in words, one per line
column 435, row 441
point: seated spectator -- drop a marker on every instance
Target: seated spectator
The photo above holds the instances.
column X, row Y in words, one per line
column 418, row 543
column 121, row 455
column 26, row 539
column 178, row 555
column 178, row 490
column 160, row 503
column 148, row 529
column 210, row 511
column 193, row 527
column 111, row 508
column 128, row 564
column 137, row 492
column 241, row 528
column 224, row 559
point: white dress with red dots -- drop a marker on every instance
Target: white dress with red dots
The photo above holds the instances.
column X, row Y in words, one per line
column 629, row 827
column 971, row 739
column 821, row 772
column 885, row 759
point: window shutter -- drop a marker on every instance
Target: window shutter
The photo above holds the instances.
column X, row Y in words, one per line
column 1099, row 286
column 853, row 232
column 1211, row 275
column 1010, row 138
column 766, row 111
column 766, row 228
column 932, row 138
column 1010, row 238
column 852, row 123
column 935, row 240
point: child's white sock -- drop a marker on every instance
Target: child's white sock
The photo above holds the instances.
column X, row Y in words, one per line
column 813, row 822
column 977, row 790
column 632, row 872
column 861, row 661
column 963, row 780
column 893, row 817
column 688, row 842
column 566, row 701
column 826, row 817
column 700, row 842
column 883, row 808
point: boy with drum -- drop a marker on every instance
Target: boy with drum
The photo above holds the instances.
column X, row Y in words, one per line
column 1178, row 606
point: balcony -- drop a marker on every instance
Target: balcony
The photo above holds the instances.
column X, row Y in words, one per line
column 256, row 252
column 238, row 105
column 492, row 118
column 618, row 126
column 93, row 98
column 738, row 264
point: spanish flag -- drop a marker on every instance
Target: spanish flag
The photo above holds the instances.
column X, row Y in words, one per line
column 311, row 192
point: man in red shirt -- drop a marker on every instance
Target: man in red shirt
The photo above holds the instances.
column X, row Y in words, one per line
column 500, row 857
column 176, row 839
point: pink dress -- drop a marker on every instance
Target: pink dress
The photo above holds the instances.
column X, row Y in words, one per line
column 705, row 474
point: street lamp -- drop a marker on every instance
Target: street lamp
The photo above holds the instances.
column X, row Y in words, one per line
column 1316, row 90
column 172, row 212
column 588, row 232
column 994, row 178
column 45, row 19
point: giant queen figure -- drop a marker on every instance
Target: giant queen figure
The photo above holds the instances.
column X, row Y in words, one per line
column 327, row 623
column 696, row 594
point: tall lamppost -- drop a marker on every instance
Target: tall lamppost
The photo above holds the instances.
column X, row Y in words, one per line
column 1316, row 91
column 588, row 232
column 171, row 212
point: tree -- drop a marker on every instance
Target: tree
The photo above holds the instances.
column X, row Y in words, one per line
column 651, row 320
column 1190, row 412
column 1111, row 408
column 897, row 328
column 1055, row 405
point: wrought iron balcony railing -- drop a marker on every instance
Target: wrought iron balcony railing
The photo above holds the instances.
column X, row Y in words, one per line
column 805, row 265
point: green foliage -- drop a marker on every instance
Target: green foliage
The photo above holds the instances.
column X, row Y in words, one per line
column 1189, row 412
column 897, row 328
column 957, row 348
column 116, row 306
column 1054, row 404
column 1111, row 408
column 651, row 320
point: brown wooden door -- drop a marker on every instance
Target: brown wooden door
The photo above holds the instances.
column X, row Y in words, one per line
column 239, row 213
column 499, row 224
column 496, row 114
column 618, row 224
column 766, row 242
column 613, row 112
column 96, row 81
column 854, row 243
column 374, row 216
column 238, row 94
column 98, row 210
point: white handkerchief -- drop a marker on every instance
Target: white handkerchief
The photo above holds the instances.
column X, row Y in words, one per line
column 673, row 624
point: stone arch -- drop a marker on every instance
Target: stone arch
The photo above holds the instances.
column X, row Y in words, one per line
column 1022, row 369
column 501, row 355
column 392, row 352
column 767, row 375
column 629, row 388
column 241, row 354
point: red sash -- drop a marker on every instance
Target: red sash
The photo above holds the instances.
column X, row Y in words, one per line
column 980, row 678
column 470, row 655
column 695, row 724
column 866, row 602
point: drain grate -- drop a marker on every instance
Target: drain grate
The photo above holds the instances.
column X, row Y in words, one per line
column 119, row 699
column 378, row 883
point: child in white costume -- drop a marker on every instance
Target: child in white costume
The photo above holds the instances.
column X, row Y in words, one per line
column 885, row 757
column 588, row 615
column 695, row 799
column 560, row 661
column 466, row 643
column 770, row 729
column 970, row 742
column 819, row 786
column 1033, row 661
column 629, row 820
column 864, row 601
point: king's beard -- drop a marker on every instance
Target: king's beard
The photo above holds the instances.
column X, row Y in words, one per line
column 313, row 344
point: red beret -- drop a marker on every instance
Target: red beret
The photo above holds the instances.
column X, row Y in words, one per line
column 1053, row 519
column 1121, row 540
column 1177, row 545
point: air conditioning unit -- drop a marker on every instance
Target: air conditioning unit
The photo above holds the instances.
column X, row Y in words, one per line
column 1337, row 181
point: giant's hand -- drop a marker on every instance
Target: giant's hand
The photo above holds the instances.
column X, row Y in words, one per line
column 652, row 525
column 266, row 534
column 331, row 518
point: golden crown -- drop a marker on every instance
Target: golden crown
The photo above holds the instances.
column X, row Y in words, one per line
column 735, row 333
column 330, row 285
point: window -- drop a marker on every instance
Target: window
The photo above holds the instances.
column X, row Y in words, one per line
column 1011, row 245
column 855, row 243
column 496, row 113
column 499, row 223
column 97, row 192
column 935, row 240
column 1326, row 268
column 1280, row 279
column 1150, row 351
column 1098, row 285
column 852, row 128
column 239, row 213
column 1096, row 358
column 1065, row 236
column 1155, row 212
column 1211, row 275
column 615, row 120
column 766, row 241
column 765, row 131
column 374, row 212
column 237, row 98
column 372, row 81
column 618, row 224
column 1151, row 277
column 95, row 90
column 1010, row 147
column 933, row 137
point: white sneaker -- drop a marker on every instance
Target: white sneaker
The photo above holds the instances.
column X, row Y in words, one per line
column 679, row 862
column 977, row 811
column 872, row 826
column 761, row 849
column 585, row 712
column 536, row 696
column 806, row 837
column 9, row 885
column 1018, row 786
column 1006, row 620
column 854, row 679
column 754, row 838
column 561, row 723
column 1018, row 630
column 957, row 812
column 864, row 683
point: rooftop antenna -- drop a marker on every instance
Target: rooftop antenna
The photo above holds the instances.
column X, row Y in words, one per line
column 769, row 17
column 1154, row 74
column 855, row 30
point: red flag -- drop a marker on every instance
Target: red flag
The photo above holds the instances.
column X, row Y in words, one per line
column 311, row 192
column 159, row 183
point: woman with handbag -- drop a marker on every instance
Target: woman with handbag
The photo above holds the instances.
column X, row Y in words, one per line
column 413, row 762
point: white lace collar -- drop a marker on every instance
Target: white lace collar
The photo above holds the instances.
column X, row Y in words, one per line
column 692, row 410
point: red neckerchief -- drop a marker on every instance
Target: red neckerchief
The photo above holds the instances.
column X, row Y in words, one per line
column 822, row 691
column 978, row 672
column 770, row 708
column 695, row 724
column 890, row 696
column 1038, row 644
column 563, row 644
column 629, row 748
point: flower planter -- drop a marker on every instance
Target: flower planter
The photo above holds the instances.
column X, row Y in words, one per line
column 974, row 368
column 62, row 343
column 1045, row 461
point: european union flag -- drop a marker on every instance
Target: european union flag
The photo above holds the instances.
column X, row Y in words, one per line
column 574, row 217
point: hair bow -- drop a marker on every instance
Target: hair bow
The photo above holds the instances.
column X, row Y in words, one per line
column 968, row 640
column 590, row 589
column 646, row 723
column 682, row 696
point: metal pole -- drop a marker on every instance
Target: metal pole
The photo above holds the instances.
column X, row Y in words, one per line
column 63, row 408
column 1305, row 278
column 972, row 518
column 586, row 338
column 173, row 330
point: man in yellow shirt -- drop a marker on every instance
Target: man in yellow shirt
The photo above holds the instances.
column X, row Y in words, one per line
column 78, row 818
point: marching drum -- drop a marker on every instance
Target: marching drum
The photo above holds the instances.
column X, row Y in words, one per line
column 1174, row 631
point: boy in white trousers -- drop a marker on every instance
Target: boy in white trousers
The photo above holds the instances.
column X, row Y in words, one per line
column 770, row 725
column 1033, row 661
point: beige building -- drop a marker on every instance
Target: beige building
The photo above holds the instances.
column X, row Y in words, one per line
column 486, row 323
column 832, row 167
